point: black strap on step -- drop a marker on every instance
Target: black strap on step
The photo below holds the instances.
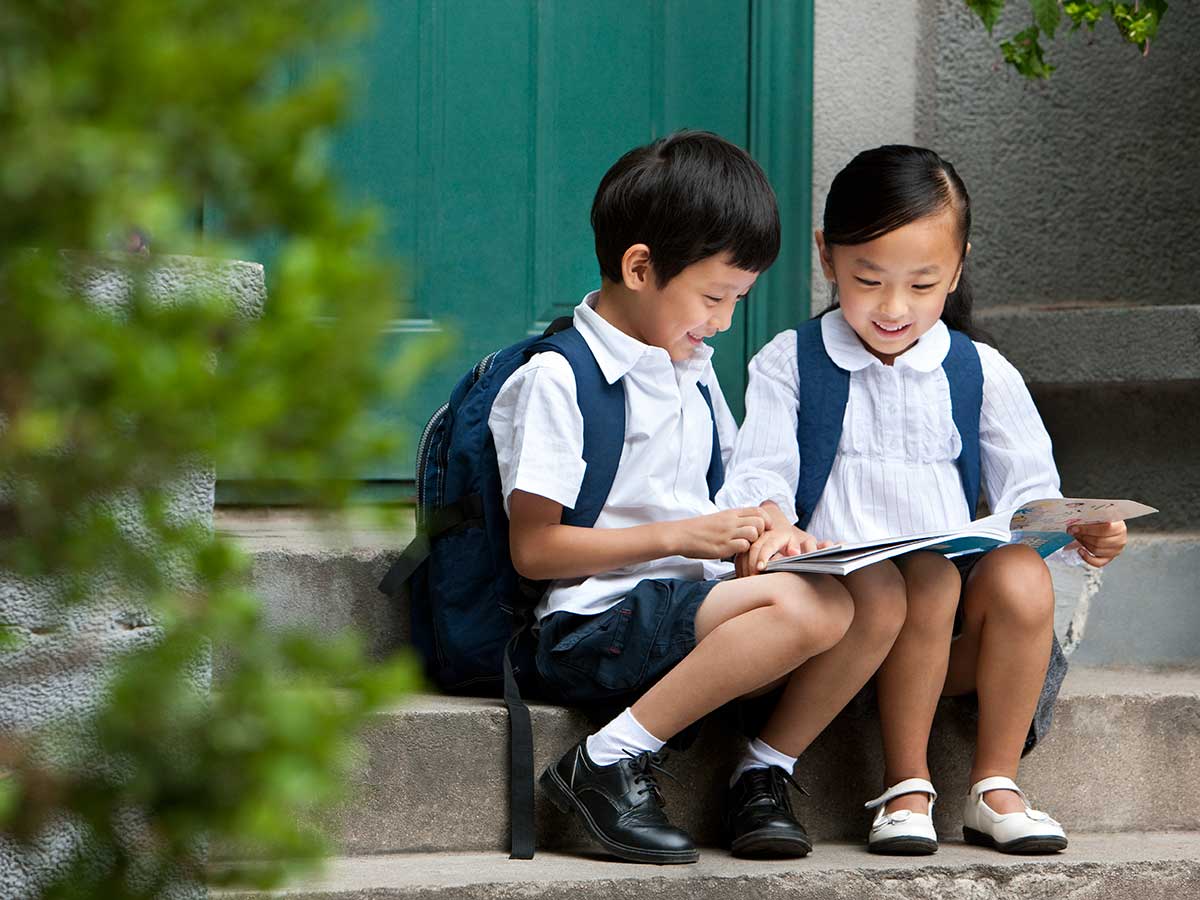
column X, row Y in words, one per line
column 520, row 758
column 463, row 513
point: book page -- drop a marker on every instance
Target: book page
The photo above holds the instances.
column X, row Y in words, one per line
column 1059, row 514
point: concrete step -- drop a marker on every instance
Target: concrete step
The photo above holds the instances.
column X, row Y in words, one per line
column 1124, row 755
column 1097, row 343
column 322, row 572
column 1095, row 867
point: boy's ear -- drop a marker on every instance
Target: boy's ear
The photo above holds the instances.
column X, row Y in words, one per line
column 825, row 254
column 635, row 267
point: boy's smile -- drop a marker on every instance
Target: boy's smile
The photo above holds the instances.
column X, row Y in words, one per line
column 682, row 314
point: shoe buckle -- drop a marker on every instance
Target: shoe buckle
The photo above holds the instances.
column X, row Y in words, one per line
column 898, row 817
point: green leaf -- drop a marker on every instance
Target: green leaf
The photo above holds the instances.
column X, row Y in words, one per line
column 1138, row 23
column 1047, row 15
column 1084, row 13
column 987, row 10
column 1024, row 53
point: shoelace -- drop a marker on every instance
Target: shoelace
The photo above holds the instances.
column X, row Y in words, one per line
column 772, row 783
column 644, row 765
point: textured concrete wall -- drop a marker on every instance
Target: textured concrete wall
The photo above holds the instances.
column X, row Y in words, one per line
column 66, row 656
column 866, row 72
column 1085, row 188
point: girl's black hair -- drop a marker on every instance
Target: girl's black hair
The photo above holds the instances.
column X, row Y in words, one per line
column 889, row 187
column 688, row 196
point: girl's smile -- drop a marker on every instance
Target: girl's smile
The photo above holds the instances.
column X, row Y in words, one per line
column 891, row 330
column 893, row 289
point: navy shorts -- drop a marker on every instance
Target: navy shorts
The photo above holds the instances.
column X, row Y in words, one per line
column 613, row 657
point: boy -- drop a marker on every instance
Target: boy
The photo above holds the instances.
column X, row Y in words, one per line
column 633, row 613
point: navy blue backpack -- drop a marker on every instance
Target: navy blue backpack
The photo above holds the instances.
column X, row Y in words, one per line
column 471, row 612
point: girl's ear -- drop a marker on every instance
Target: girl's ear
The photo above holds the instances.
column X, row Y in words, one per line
column 826, row 255
column 957, row 275
column 635, row 267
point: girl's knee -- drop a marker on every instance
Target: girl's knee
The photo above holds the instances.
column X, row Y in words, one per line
column 1017, row 586
column 928, row 572
column 933, row 588
column 880, row 601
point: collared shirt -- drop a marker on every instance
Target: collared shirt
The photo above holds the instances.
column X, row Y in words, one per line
column 895, row 470
column 538, row 432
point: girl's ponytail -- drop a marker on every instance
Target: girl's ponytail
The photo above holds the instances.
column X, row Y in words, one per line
column 957, row 313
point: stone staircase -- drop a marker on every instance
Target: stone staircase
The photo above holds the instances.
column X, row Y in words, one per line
column 1121, row 767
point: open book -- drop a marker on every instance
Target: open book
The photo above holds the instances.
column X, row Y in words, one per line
column 1041, row 524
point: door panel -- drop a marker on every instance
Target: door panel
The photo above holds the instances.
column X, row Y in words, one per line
column 482, row 130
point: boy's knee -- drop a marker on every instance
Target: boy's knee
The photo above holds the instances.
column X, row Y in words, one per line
column 817, row 610
column 836, row 611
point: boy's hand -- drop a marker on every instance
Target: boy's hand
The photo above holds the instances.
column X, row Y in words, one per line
column 790, row 541
column 1099, row 544
column 717, row 535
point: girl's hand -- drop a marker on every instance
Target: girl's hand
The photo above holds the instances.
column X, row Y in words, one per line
column 791, row 541
column 1099, row 544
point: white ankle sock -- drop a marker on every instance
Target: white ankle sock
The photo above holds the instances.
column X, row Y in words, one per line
column 761, row 755
column 621, row 738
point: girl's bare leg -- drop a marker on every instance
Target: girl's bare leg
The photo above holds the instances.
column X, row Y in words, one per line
column 1002, row 655
column 910, row 680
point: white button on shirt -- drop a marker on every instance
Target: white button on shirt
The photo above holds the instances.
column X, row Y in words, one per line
column 538, row 432
column 895, row 470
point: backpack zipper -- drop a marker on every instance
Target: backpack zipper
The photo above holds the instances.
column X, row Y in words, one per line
column 422, row 448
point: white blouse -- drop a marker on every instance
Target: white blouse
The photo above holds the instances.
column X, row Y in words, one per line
column 894, row 472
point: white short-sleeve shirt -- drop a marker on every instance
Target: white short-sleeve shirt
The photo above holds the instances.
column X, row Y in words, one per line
column 895, row 470
column 538, row 432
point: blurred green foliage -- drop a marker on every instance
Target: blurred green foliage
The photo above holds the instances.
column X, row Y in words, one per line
column 1137, row 23
column 121, row 118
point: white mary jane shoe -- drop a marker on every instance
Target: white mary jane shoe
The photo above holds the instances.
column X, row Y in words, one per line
column 903, row 832
column 1031, row 831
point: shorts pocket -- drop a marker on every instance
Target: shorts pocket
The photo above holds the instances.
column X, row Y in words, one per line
column 597, row 649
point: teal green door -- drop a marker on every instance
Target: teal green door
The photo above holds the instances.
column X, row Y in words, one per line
column 482, row 130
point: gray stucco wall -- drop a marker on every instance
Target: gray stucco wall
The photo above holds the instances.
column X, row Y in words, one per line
column 866, row 81
column 1085, row 188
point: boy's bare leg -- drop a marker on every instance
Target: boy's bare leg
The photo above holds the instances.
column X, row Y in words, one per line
column 823, row 685
column 1002, row 655
column 910, row 680
column 750, row 632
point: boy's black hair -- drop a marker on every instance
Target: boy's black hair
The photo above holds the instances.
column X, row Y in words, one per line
column 889, row 187
column 688, row 196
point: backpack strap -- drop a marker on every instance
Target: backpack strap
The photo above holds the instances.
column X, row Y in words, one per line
column 603, row 408
column 716, row 465
column 965, row 374
column 823, row 390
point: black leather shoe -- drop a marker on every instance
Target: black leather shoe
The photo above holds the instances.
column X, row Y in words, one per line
column 759, row 821
column 620, row 805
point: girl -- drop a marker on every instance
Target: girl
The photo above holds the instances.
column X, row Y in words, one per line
column 925, row 417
